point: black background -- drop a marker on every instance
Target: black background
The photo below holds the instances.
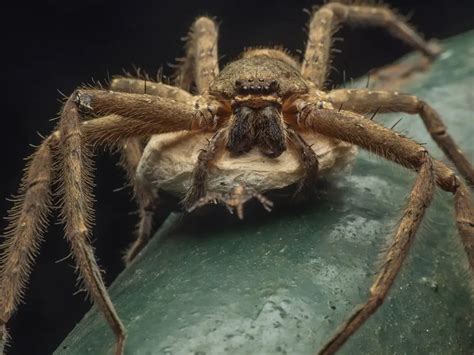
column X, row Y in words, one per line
column 57, row 45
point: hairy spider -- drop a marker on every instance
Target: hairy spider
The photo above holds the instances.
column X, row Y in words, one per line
column 246, row 131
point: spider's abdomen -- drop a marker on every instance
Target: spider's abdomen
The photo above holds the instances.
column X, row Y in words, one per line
column 170, row 158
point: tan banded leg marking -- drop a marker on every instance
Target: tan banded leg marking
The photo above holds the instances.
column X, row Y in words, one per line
column 365, row 101
column 325, row 22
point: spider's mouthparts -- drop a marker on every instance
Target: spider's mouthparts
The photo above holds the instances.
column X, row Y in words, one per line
column 262, row 127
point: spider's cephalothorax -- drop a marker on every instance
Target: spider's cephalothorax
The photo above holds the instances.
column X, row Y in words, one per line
column 265, row 122
column 257, row 87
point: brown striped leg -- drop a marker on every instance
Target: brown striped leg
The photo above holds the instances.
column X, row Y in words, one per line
column 276, row 53
column 355, row 129
column 365, row 101
column 140, row 86
column 149, row 115
column 329, row 17
column 145, row 115
column 418, row 201
column 201, row 64
column 76, row 191
column 131, row 153
column 200, row 172
column 28, row 219
column 308, row 159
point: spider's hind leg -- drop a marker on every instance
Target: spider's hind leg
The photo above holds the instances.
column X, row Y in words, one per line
column 201, row 63
column 326, row 21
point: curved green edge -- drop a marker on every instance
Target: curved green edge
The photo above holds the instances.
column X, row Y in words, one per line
column 281, row 283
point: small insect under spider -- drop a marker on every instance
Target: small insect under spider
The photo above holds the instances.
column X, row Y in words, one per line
column 266, row 121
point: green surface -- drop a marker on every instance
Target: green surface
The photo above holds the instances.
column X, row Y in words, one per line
column 281, row 283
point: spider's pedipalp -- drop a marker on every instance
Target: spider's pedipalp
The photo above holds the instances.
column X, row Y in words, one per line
column 325, row 21
column 354, row 128
column 206, row 156
column 366, row 101
column 308, row 159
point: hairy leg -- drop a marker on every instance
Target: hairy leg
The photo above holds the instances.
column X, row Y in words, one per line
column 354, row 128
column 131, row 152
column 308, row 159
column 200, row 172
column 418, row 201
column 76, row 195
column 150, row 116
column 140, row 86
column 276, row 53
column 327, row 19
column 365, row 101
column 28, row 219
column 201, row 63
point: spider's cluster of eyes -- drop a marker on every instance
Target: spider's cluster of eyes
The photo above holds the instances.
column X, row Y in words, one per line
column 261, row 85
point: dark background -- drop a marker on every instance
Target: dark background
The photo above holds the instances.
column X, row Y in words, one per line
column 58, row 45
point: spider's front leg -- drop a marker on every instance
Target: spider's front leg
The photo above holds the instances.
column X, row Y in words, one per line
column 146, row 115
column 355, row 129
column 325, row 21
column 131, row 151
column 199, row 66
column 365, row 101
column 23, row 236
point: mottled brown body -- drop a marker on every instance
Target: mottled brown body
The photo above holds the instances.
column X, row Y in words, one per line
column 261, row 105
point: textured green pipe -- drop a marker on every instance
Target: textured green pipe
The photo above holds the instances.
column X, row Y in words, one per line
column 281, row 283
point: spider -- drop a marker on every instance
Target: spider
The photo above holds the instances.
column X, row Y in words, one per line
column 263, row 109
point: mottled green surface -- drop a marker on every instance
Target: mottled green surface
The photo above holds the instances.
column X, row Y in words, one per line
column 282, row 282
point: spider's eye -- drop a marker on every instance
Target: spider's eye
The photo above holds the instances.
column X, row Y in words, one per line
column 256, row 86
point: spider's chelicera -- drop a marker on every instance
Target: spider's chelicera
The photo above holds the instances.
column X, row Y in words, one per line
column 266, row 104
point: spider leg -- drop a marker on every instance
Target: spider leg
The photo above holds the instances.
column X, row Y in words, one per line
column 77, row 214
column 354, row 128
column 325, row 22
column 365, row 101
column 308, row 159
column 277, row 53
column 139, row 86
column 418, row 201
column 200, row 172
column 146, row 115
column 28, row 219
column 201, row 63
column 131, row 153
